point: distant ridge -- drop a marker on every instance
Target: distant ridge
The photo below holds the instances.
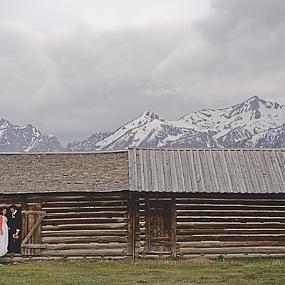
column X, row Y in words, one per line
column 254, row 123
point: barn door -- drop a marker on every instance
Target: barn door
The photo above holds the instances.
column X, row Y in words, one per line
column 159, row 226
column 31, row 230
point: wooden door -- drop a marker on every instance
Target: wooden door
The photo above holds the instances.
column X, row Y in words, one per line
column 32, row 217
column 159, row 226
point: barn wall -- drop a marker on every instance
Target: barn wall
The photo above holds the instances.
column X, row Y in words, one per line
column 220, row 225
column 86, row 225
column 81, row 225
column 230, row 225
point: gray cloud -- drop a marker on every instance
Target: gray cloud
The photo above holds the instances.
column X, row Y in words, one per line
column 91, row 77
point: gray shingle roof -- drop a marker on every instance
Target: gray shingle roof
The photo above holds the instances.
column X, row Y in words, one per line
column 207, row 170
column 63, row 172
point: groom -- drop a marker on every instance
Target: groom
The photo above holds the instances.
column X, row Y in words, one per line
column 15, row 224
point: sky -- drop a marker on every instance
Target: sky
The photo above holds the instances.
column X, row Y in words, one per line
column 75, row 67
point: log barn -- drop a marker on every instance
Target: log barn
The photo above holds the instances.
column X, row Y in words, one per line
column 148, row 202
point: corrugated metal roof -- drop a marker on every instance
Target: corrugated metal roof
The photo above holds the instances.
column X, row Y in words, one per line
column 207, row 170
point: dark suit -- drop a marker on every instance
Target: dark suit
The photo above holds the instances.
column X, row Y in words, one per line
column 15, row 223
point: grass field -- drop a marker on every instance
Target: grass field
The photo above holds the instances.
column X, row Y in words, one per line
column 244, row 271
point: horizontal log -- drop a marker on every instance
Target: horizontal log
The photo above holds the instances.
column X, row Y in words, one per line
column 85, row 209
column 229, row 244
column 231, row 201
column 157, row 252
column 107, row 214
column 34, row 246
column 231, row 250
column 234, row 255
column 81, row 220
column 235, row 225
column 84, row 233
column 102, row 196
column 106, row 227
column 228, row 231
column 230, row 238
column 192, row 206
column 84, row 239
column 229, row 219
column 96, row 246
column 87, row 203
column 84, row 252
column 230, row 213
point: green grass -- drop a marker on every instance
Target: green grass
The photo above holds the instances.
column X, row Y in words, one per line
column 243, row 271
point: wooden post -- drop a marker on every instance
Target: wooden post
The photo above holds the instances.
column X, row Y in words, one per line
column 173, row 228
column 132, row 224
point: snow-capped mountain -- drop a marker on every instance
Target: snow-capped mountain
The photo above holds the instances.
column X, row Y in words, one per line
column 25, row 138
column 253, row 123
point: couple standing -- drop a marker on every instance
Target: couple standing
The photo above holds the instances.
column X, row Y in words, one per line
column 10, row 231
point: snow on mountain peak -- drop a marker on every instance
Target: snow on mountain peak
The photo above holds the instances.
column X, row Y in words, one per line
column 147, row 117
column 254, row 122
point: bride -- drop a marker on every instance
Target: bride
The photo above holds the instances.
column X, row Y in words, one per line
column 4, row 236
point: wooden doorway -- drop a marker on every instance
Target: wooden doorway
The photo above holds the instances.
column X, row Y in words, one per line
column 31, row 230
column 160, row 226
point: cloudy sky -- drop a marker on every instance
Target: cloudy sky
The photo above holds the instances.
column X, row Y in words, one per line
column 74, row 67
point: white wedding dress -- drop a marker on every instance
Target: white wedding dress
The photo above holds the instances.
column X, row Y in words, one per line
column 4, row 238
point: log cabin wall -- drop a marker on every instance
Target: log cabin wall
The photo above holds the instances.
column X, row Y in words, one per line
column 225, row 201
column 229, row 225
column 76, row 225
column 85, row 225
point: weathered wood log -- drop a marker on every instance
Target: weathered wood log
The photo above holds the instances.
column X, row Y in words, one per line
column 229, row 213
column 101, row 246
column 81, row 220
column 230, row 238
column 84, row 252
column 107, row 214
column 229, row 207
column 236, row 225
column 83, row 239
column 237, row 219
column 84, row 233
column 229, row 231
column 106, row 226
column 231, row 250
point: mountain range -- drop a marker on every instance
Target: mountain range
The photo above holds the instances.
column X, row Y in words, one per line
column 254, row 123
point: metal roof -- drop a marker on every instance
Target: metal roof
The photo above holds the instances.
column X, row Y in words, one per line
column 207, row 170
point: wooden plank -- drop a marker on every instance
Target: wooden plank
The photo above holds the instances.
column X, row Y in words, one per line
column 280, row 165
column 31, row 232
column 191, row 158
column 214, row 172
column 227, row 173
column 246, row 250
column 173, row 228
column 201, row 175
column 218, row 244
column 186, row 171
column 276, row 162
column 84, row 252
column 153, row 165
column 84, row 226
column 84, row 239
column 262, row 185
column 173, row 171
column 179, row 171
column 143, row 185
column 245, row 237
column 74, row 233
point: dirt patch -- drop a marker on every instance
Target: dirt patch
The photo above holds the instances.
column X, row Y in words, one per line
column 200, row 259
